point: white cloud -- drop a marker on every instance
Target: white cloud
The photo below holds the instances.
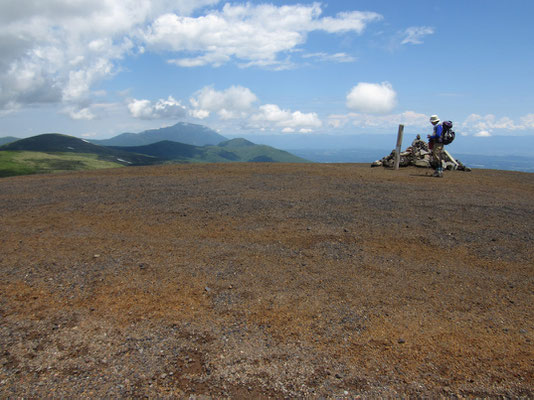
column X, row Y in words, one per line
column 346, row 21
column 337, row 57
column 56, row 50
column 490, row 122
column 199, row 114
column 414, row 34
column 238, row 102
column 255, row 34
column 527, row 121
column 372, row 97
column 79, row 114
column 92, row 111
column 234, row 102
column 162, row 109
column 486, row 125
column 271, row 116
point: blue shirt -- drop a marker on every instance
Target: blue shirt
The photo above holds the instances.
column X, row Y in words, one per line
column 436, row 136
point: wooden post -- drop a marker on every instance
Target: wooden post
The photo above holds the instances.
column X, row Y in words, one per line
column 399, row 145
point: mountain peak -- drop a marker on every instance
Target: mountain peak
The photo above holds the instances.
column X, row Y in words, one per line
column 182, row 132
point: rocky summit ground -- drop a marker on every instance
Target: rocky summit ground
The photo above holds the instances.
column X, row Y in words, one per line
column 257, row 281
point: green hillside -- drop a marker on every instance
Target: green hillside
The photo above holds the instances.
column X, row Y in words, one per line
column 166, row 150
column 14, row 163
column 54, row 152
column 58, row 143
column 235, row 150
column 52, row 142
column 247, row 151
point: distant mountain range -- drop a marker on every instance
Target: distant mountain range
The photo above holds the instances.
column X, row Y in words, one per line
column 56, row 152
column 235, row 150
column 182, row 132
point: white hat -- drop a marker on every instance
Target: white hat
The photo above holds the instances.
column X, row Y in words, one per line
column 434, row 118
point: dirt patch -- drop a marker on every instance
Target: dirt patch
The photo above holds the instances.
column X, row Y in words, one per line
column 267, row 281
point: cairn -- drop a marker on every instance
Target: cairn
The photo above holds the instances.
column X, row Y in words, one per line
column 419, row 155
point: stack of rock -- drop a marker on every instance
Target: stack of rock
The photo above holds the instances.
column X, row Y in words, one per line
column 419, row 155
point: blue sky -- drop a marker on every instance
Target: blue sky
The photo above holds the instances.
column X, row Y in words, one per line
column 98, row 68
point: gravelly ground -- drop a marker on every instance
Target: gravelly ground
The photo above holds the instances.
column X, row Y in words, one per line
column 267, row 281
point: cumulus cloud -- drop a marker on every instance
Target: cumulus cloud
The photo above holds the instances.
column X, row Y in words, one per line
column 414, row 34
column 234, row 102
column 56, row 50
column 162, row 109
column 239, row 102
column 489, row 122
column 254, row 34
column 485, row 125
column 79, row 113
column 372, row 98
column 271, row 115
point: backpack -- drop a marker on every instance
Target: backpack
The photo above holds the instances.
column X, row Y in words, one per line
column 447, row 135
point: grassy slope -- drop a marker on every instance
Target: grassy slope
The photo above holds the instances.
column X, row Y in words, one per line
column 55, row 153
column 32, row 162
column 58, row 143
column 252, row 153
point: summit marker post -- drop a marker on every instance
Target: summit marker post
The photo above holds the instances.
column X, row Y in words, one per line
column 399, row 145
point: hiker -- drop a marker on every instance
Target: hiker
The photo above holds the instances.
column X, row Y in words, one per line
column 435, row 144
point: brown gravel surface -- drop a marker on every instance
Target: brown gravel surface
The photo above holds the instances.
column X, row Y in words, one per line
column 257, row 281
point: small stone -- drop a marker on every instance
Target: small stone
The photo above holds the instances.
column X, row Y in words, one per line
column 142, row 266
column 207, row 289
column 339, row 376
column 96, row 256
column 401, row 341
